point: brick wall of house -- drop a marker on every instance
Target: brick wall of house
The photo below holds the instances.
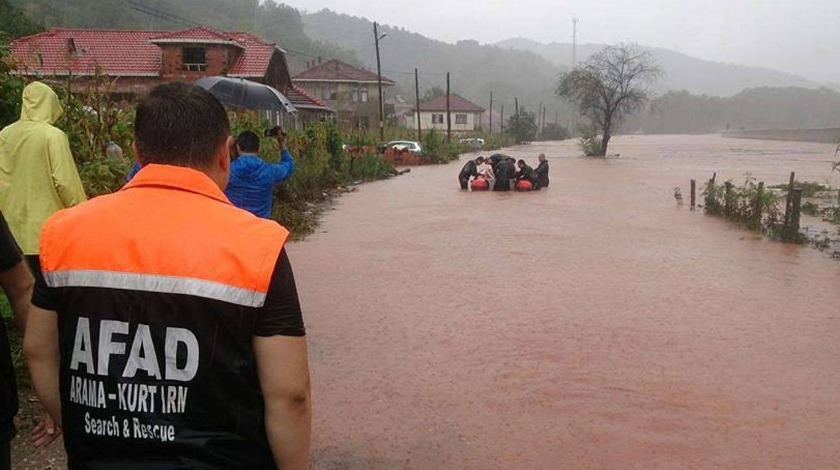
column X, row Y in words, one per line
column 218, row 58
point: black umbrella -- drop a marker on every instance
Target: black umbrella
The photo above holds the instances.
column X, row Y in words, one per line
column 243, row 93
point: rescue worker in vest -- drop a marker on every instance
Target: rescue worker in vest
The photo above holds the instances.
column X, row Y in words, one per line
column 542, row 172
column 16, row 282
column 37, row 173
column 166, row 330
column 527, row 173
column 252, row 180
column 470, row 169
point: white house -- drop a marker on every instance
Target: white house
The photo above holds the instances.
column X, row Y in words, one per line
column 466, row 116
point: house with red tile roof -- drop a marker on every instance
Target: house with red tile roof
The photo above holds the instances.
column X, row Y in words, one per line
column 309, row 107
column 465, row 115
column 351, row 91
column 134, row 61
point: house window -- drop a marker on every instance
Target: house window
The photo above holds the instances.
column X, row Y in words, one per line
column 437, row 118
column 328, row 92
column 194, row 59
column 360, row 95
column 461, row 119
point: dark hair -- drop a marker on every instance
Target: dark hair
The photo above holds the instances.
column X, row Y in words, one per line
column 180, row 124
column 248, row 141
column 480, row 159
column 521, row 162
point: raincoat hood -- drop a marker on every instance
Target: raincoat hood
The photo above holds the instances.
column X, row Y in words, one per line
column 40, row 104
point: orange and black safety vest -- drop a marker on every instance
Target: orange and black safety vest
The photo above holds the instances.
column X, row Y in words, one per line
column 161, row 285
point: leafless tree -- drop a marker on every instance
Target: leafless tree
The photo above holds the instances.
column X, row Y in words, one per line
column 610, row 85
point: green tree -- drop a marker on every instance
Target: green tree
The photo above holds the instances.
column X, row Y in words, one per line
column 433, row 92
column 14, row 23
column 522, row 126
column 610, row 85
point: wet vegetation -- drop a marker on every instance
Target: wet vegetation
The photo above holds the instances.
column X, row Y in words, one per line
column 772, row 210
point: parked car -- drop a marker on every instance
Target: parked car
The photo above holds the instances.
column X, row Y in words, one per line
column 474, row 142
column 409, row 145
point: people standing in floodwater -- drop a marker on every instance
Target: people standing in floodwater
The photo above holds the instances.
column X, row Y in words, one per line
column 528, row 174
column 505, row 171
column 470, row 169
column 542, row 172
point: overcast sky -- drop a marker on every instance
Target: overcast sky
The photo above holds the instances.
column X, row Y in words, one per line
column 797, row 36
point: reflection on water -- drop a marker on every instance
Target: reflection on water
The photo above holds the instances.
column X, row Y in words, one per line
column 591, row 325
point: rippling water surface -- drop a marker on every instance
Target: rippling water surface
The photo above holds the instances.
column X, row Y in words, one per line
column 595, row 324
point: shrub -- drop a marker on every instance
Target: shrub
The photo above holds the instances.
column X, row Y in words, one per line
column 591, row 146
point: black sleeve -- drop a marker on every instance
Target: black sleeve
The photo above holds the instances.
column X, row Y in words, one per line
column 281, row 313
column 43, row 296
column 10, row 254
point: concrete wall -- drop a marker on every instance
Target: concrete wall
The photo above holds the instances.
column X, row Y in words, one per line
column 828, row 135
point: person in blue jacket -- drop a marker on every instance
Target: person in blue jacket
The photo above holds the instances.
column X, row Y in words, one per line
column 252, row 180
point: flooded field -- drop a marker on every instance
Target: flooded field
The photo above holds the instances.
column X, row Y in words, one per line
column 595, row 324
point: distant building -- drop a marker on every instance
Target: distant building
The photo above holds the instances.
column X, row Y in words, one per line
column 351, row 91
column 466, row 116
column 310, row 109
column 135, row 61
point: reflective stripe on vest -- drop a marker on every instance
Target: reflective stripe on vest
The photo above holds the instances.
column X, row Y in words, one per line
column 170, row 230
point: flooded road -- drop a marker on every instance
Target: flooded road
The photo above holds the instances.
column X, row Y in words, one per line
column 595, row 324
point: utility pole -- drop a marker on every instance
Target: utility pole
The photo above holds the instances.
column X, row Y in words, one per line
column 503, row 118
column 448, row 115
column 573, row 124
column 417, row 100
column 574, row 42
column 539, row 118
column 491, row 111
column 379, row 80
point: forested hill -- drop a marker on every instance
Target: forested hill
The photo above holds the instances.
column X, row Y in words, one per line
column 682, row 72
column 275, row 22
column 754, row 108
column 475, row 69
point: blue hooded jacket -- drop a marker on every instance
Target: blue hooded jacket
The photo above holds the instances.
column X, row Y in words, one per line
column 252, row 181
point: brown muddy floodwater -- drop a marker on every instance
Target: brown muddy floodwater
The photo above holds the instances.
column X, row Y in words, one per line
column 595, row 324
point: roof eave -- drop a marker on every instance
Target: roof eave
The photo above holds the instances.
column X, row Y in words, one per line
column 196, row 41
column 338, row 80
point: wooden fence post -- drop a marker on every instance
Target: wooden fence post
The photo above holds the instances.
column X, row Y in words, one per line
column 693, row 193
column 792, row 230
column 756, row 222
column 787, row 200
column 727, row 206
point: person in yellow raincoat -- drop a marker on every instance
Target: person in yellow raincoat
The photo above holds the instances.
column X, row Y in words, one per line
column 38, row 176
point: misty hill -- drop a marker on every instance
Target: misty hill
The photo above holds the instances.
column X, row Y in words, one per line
column 475, row 69
column 682, row 72
column 755, row 108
